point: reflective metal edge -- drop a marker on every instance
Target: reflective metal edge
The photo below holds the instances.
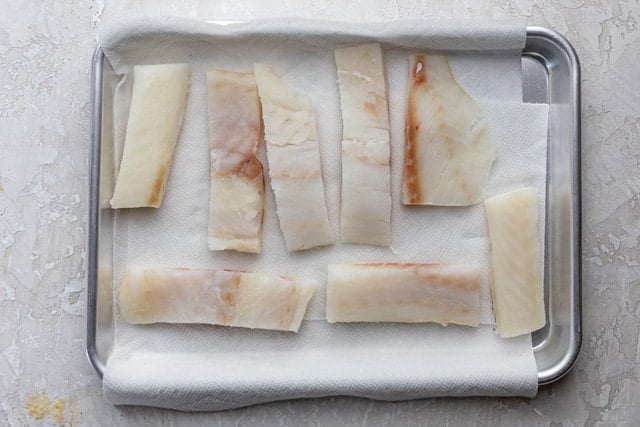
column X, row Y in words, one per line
column 541, row 44
column 535, row 35
column 94, row 209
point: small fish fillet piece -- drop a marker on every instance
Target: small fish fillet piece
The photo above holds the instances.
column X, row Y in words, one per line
column 294, row 162
column 409, row 293
column 365, row 215
column 158, row 102
column 516, row 288
column 218, row 297
column 236, row 202
column 448, row 152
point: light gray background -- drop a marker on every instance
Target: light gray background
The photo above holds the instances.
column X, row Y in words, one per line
column 45, row 56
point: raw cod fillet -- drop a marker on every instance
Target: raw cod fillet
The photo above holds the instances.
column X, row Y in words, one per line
column 517, row 288
column 218, row 297
column 294, row 162
column 366, row 192
column 236, row 202
column 158, row 102
column 448, row 152
column 410, row 293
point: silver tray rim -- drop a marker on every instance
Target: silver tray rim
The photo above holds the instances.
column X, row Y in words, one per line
column 538, row 40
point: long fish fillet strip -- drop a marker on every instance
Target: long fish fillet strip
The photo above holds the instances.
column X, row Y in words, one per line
column 365, row 214
column 158, row 102
column 448, row 151
column 294, row 162
column 410, row 293
column 236, row 202
column 516, row 288
column 218, row 297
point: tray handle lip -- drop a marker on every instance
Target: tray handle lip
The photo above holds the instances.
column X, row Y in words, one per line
column 94, row 209
column 564, row 364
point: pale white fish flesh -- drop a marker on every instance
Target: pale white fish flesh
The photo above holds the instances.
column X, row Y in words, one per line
column 217, row 297
column 448, row 151
column 408, row 293
column 158, row 103
column 294, row 162
column 236, row 202
column 517, row 288
column 365, row 214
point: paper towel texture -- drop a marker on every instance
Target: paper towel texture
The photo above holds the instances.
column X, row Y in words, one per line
column 210, row 368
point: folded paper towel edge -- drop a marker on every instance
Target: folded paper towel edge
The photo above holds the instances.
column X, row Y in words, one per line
column 220, row 400
column 206, row 406
column 480, row 34
column 240, row 399
column 215, row 382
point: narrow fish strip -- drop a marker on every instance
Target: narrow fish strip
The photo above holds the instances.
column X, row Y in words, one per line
column 294, row 162
column 516, row 287
column 158, row 102
column 236, row 202
column 366, row 193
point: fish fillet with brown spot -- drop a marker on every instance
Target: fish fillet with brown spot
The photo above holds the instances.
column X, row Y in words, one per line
column 407, row 293
column 218, row 297
column 158, row 102
column 448, row 151
column 236, row 202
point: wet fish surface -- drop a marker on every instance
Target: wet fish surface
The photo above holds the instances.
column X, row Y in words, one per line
column 158, row 103
column 410, row 293
column 366, row 193
column 448, row 151
column 293, row 155
column 517, row 289
column 218, row 297
column 236, row 201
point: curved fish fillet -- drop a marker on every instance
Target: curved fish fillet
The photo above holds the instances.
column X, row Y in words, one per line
column 366, row 193
column 448, row 152
column 158, row 102
column 294, row 162
column 410, row 293
column 236, row 202
column 517, row 289
column 218, row 297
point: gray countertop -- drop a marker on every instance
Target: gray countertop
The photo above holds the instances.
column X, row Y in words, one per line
column 45, row 379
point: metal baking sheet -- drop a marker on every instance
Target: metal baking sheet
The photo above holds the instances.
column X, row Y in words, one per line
column 551, row 74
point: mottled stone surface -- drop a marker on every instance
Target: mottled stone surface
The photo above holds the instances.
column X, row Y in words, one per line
column 45, row 54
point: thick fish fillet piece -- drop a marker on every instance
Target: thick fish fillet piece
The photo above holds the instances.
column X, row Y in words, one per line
column 410, row 293
column 294, row 162
column 365, row 214
column 448, row 152
column 236, row 202
column 516, row 288
column 158, row 102
column 218, row 297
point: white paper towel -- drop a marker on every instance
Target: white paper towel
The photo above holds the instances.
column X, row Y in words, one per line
column 211, row 368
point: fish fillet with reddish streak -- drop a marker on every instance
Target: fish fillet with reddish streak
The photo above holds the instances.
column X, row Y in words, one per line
column 448, row 151
column 409, row 293
column 236, row 202
column 218, row 297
